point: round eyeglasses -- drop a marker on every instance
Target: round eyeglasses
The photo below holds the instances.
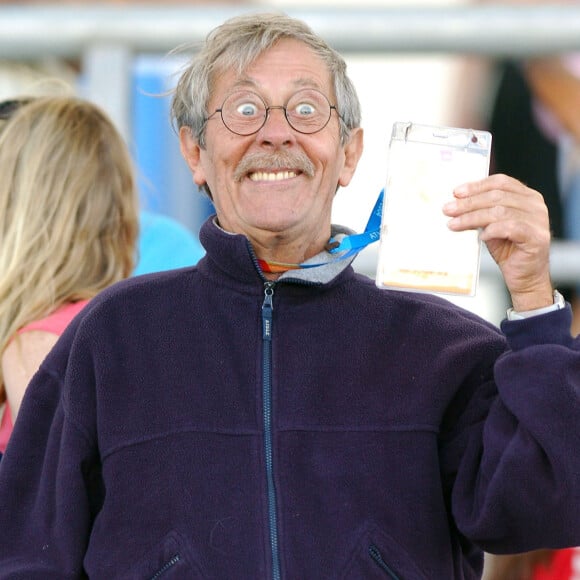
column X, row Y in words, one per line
column 245, row 112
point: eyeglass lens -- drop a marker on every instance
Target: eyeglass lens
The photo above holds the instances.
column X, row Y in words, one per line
column 307, row 111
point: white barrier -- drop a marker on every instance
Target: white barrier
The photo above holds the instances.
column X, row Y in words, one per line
column 493, row 29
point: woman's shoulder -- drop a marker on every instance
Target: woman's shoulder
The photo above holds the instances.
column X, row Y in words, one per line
column 56, row 321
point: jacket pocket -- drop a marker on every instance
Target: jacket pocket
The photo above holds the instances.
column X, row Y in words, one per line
column 171, row 559
column 378, row 556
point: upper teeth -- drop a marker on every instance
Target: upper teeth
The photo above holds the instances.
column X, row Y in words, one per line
column 263, row 176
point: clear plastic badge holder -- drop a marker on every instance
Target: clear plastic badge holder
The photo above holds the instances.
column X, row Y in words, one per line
column 417, row 250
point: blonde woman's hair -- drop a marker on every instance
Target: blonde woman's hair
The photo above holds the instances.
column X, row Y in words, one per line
column 68, row 209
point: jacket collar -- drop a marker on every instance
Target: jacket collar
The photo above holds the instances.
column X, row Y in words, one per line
column 234, row 255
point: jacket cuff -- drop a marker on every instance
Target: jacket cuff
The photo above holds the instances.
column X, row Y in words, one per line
column 549, row 328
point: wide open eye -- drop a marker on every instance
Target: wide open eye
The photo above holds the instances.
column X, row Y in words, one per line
column 244, row 105
column 305, row 109
column 243, row 112
column 247, row 109
column 308, row 111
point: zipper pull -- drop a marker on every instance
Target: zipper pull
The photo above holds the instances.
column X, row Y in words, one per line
column 376, row 555
column 267, row 308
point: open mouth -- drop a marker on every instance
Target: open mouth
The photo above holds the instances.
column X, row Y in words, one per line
column 271, row 175
column 271, row 167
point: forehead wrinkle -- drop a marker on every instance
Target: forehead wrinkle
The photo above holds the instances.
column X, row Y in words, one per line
column 246, row 82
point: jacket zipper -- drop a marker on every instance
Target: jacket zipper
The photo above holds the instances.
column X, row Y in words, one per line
column 377, row 557
column 267, row 309
column 174, row 560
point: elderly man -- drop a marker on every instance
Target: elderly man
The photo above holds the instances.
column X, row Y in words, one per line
column 271, row 414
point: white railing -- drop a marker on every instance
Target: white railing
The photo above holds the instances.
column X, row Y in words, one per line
column 493, row 29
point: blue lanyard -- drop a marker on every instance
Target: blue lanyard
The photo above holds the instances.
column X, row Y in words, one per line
column 349, row 245
column 355, row 243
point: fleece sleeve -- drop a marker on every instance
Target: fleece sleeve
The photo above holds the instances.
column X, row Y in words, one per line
column 517, row 487
column 49, row 487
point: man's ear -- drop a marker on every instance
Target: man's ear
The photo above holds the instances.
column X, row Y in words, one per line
column 352, row 154
column 191, row 152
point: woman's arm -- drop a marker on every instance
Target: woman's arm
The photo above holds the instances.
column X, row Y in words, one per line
column 556, row 88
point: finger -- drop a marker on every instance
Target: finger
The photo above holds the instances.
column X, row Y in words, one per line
column 479, row 210
column 505, row 215
column 497, row 181
column 517, row 231
column 494, row 190
column 484, row 201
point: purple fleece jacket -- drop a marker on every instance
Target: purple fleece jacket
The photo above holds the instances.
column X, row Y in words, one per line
column 199, row 424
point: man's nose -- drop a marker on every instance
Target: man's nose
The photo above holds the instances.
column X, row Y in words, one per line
column 276, row 129
column 281, row 115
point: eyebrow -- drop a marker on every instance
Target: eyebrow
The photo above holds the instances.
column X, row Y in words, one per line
column 247, row 82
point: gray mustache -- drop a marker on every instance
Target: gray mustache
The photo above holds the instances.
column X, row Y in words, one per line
column 274, row 161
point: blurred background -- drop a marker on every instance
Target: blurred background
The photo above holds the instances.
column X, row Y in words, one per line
column 431, row 62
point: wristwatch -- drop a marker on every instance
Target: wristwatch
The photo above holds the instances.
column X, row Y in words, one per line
column 559, row 303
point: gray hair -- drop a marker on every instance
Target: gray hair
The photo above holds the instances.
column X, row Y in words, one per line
column 236, row 44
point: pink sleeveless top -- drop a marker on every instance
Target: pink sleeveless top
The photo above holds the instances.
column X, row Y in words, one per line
column 54, row 323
